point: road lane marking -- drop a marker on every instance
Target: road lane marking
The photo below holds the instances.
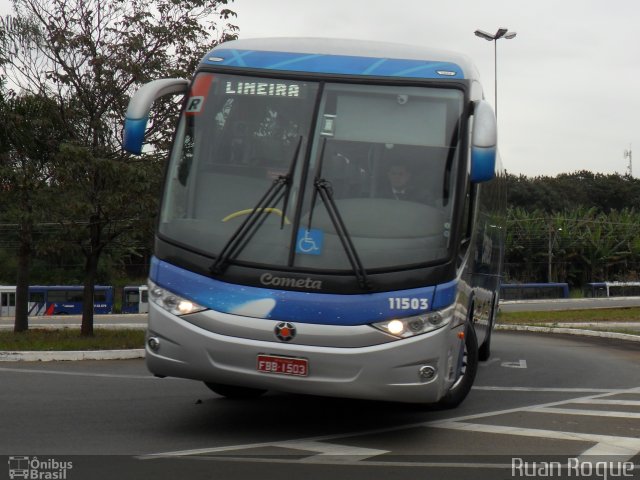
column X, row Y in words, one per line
column 77, row 374
column 606, row 443
column 331, row 452
column 593, row 413
column 476, row 387
column 627, row 447
column 629, row 403
column 551, row 389
column 604, row 451
column 518, row 364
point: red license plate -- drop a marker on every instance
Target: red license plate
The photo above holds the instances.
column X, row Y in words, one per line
column 298, row 367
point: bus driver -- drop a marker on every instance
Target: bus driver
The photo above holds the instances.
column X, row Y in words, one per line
column 402, row 186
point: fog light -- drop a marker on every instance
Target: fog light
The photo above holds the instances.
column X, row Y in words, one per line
column 427, row 372
column 154, row 343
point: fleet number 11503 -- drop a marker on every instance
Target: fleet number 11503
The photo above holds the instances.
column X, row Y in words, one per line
column 405, row 303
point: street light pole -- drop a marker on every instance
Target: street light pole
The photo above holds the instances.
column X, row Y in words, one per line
column 501, row 33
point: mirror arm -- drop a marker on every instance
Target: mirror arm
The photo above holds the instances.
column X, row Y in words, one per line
column 139, row 106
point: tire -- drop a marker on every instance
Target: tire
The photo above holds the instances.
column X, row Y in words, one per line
column 484, row 352
column 235, row 392
column 485, row 349
column 462, row 386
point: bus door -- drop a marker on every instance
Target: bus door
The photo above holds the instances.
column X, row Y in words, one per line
column 7, row 304
column 135, row 299
column 143, row 304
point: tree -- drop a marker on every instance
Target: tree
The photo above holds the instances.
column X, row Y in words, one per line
column 90, row 55
column 569, row 191
column 29, row 141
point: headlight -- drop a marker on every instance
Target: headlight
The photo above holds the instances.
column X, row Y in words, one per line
column 416, row 325
column 171, row 302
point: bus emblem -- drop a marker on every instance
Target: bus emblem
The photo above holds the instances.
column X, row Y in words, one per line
column 285, row 331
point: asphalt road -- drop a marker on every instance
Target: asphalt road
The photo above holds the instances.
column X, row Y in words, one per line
column 545, row 397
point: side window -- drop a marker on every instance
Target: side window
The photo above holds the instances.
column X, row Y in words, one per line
column 467, row 218
column 57, row 296
column 469, row 208
column 36, row 297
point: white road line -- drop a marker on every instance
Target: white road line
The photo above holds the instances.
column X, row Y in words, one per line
column 593, row 413
column 435, row 423
column 630, row 403
column 517, row 364
column 324, row 452
column 605, row 452
column 331, row 452
column 78, row 374
column 365, row 463
column 541, row 405
column 552, row 389
column 626, row 447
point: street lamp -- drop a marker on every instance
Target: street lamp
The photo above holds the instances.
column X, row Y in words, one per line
column 501, row 33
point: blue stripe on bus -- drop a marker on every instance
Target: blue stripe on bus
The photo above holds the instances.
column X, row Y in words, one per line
column 335, row 64
column 301, row 307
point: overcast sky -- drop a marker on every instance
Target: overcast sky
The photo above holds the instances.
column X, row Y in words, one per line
column 567, row 83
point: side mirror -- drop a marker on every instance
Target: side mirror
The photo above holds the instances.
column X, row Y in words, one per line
column 135, row 122
column 484, row 143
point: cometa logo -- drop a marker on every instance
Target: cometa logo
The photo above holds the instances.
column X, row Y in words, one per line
column 273, row 281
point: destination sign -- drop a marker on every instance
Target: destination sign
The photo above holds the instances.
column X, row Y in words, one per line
column 263, row 89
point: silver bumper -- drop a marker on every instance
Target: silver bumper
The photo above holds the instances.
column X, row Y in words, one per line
column 388, row 370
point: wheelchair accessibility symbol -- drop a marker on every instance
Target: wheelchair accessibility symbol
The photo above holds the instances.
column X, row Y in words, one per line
column 310, row 242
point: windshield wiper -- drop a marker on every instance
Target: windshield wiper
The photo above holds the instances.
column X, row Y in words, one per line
column 323, row 187
column 257, row 216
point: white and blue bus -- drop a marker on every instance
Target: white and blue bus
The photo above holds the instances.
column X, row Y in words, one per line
column 286, row 258
column 135, row 299
column 56, row 300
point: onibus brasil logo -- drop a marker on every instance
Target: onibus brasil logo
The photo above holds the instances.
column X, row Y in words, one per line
column 38, row 469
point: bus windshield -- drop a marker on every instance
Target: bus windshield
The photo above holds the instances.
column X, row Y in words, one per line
column 385, row 156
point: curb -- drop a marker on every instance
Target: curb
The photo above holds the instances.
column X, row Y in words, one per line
column 62, row 326
column 570, row 331
column 60, row 356
column 48, row 356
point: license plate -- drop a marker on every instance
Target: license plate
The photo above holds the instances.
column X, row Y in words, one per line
column 298, row 367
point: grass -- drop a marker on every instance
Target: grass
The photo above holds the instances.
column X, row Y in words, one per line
column 69, row 339
column 631, row 314
column 553, row 318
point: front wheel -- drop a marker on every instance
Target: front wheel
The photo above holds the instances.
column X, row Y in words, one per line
column 462, row 386
column 484, row 352
column 234, row 392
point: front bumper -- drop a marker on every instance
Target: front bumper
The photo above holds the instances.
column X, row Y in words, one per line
column 387, row 370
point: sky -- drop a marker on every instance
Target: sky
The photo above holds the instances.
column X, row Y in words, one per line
column 567, row 83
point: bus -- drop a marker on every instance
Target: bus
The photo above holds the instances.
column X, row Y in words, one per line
column 534, row 291
column 281, row 260
column 7, row 301
column 57, row 300
column 612, row 289
column 135, row 299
